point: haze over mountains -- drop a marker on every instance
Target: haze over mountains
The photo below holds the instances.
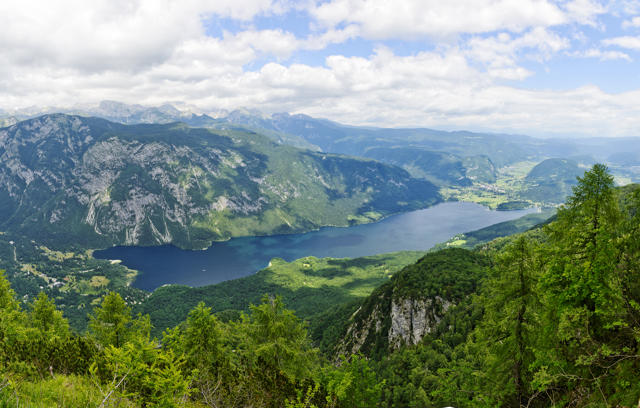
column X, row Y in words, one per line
column 308, row 132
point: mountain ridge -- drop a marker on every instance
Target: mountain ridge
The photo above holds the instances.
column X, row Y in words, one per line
column 74, row 178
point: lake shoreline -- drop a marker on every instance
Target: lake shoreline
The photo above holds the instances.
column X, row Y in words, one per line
column 242, row 256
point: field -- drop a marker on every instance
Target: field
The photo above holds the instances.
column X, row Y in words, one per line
column 509, row 183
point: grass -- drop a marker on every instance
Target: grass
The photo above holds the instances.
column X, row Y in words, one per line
column 510, row 183
column 58, row 256
column 63, row 391
column 60, row 391
column 308, row 285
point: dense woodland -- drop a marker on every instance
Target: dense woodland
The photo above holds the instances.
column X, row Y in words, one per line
column 551, row 318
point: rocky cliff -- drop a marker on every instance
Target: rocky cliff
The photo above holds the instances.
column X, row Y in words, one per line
column 412, row 304
column 87, row 180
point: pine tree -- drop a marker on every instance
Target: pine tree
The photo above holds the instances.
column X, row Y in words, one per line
column 581, row 292
column 111, row 322
column 509, row 327
column 47, row 319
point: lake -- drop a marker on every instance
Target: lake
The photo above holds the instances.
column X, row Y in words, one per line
column 238, row 257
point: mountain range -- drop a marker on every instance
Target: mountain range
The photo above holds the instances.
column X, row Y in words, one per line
column 385, row 144
column 85, row 180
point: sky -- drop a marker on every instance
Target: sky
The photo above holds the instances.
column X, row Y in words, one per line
column 537, row 67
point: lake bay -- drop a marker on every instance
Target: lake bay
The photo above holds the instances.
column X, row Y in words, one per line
column 238, row 257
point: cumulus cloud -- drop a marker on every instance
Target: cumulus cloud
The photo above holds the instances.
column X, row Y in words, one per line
column 629, row 42
column 501, row 53
column 103, row 35
column 631, row 23
column 379, row 19
column 152, row 51
column 584, row 11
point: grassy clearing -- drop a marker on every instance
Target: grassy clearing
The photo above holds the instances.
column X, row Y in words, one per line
column 60, row 391
column 308, row 285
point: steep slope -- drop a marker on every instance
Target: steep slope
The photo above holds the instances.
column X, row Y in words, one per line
column 408, row 307
column 74, row 179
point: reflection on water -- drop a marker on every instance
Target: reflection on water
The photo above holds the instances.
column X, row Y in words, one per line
column 416, row 230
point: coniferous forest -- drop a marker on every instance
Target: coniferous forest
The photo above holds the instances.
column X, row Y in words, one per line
column 545, row 318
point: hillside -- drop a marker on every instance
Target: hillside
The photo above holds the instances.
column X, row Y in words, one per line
column 471, row 239
column 517, row 329
column 402, row 311
column 551, row 180
column 69, row 179
column 442, row 169
column 522, row 320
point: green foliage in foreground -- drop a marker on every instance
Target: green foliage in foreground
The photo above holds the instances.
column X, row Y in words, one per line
column 554, row 324
column 69, row 391
column 308, row 285
column 264, row 359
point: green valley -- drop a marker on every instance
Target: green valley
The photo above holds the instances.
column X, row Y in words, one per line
column 521, row 320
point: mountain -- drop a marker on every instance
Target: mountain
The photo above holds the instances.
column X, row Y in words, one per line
column 486, row 150
column 72, row 179
column 551, row 180
column 408, row 307
column 8, row 121
column 357, row 140
column 443, row 169
column 124, row 113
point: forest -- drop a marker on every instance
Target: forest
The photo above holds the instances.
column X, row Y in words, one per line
column 545, row 318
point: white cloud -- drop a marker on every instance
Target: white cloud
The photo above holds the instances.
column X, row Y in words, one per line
column 282, row 44
column 105, row 35
column 631, row 23
column 101, row 35
column 501, row 53
column 629, row 42
column 584, row 11
column 382, row 19
column 152, row 51
column 601, row 55
column 244, row 9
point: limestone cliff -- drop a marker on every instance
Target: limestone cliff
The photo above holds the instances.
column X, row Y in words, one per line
column 412, row 304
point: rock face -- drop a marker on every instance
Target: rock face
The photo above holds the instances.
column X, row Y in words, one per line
column 86, row 180
column 407, row 322
column 411, row 319
column 413, row 303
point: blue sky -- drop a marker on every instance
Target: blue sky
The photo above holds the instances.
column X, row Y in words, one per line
column 540, row 67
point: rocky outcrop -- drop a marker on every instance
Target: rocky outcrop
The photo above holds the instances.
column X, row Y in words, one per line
column 412, row 319
column 413, row 303
column 406, row 322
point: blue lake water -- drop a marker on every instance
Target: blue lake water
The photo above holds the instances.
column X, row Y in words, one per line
column 238, row 257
